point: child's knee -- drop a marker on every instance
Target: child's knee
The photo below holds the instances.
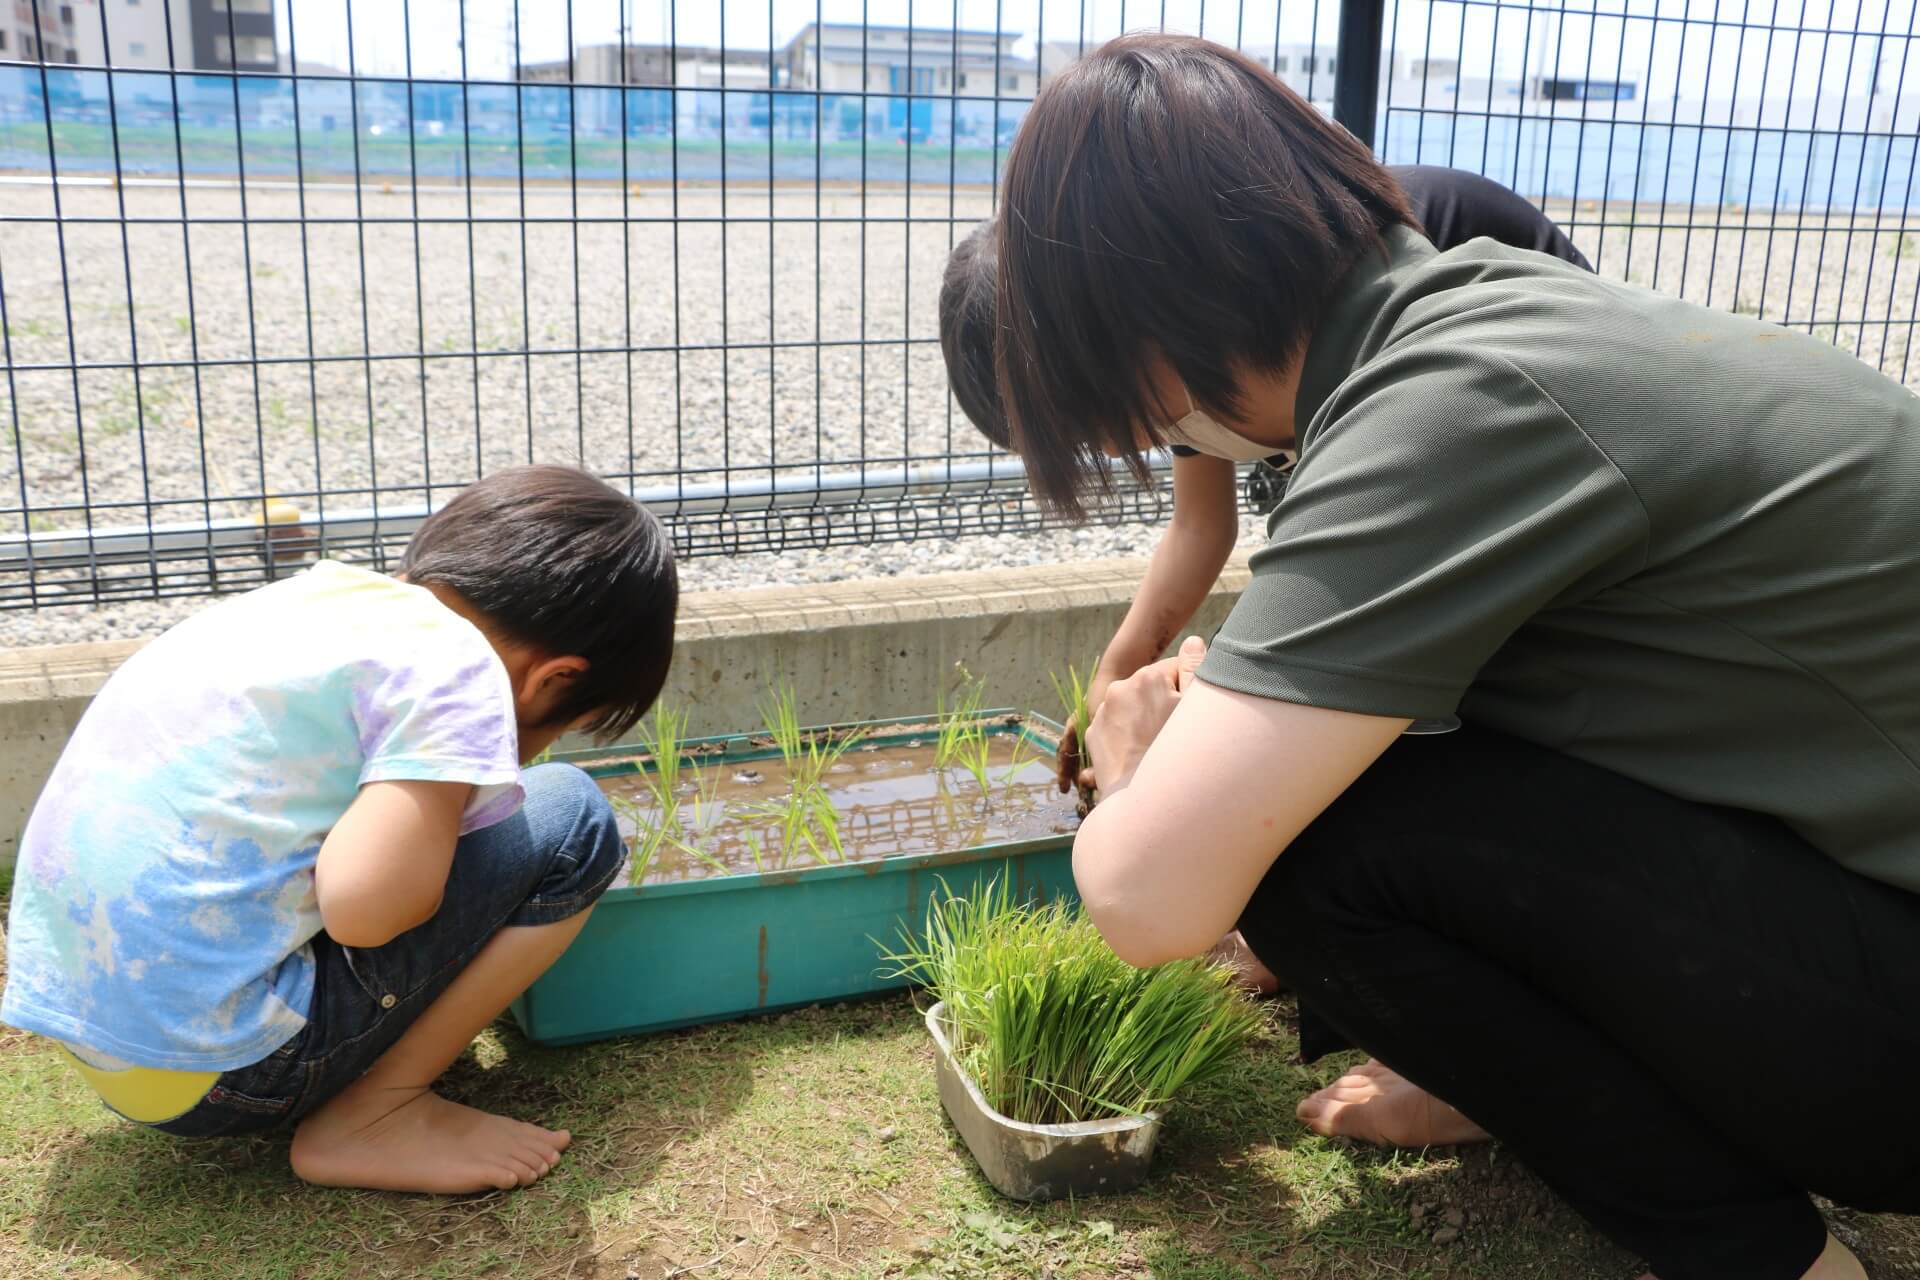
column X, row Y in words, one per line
column 584, row 843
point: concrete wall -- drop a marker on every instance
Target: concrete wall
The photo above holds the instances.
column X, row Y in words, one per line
column 851, row 650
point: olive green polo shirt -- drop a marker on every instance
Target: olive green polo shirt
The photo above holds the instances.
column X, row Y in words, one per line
column 1677, row 543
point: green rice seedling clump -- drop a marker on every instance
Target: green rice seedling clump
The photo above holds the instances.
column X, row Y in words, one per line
column 1054, row 1027
column 1072, row 691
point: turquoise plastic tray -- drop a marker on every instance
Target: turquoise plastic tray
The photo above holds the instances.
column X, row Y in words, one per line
column 659, row 956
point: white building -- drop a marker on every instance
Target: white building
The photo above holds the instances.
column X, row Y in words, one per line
column 206, row 33
column 911, row 61
column 52, row 38
column 594, row 66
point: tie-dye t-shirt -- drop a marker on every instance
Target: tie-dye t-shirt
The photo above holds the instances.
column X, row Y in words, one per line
column 163, row 905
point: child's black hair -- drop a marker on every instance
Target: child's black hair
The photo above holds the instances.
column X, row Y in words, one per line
column 562, row 561
column 967, row 293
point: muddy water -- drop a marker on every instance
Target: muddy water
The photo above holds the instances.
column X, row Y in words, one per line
column 890, row 799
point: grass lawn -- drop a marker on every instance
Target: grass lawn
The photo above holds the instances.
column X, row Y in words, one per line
column 809, row 1144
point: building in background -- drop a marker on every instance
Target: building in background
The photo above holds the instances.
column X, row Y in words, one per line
column 207, row 35
column 49, row 36
column 915, row 61
column 596, row 108
column 915, row 84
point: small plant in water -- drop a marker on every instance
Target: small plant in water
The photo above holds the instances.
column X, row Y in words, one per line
column 966, row 740
column 649, row 836
column 1053, row 1026
column 666, row 823
column 956, row 724
column 809, row 757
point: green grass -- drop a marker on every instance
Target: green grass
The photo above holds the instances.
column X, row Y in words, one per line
column 1053, row 1026
column 808, row 1145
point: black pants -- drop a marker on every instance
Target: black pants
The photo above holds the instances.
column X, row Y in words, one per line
column 1683, row 1018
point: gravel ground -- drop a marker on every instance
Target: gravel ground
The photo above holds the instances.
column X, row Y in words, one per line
column 145, row 618
column 465, row 305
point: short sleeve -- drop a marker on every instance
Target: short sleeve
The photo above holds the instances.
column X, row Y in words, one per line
column 444, row 715
column 1441, row 503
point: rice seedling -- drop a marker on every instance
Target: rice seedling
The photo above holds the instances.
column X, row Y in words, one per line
column 1019, row 756
column 649, row 836
column 957, row 725
column 803, row 822
column 702, row 814
column 665, row 745
column 1053, row 1026
column 1072, row 692
column 782, row 720
column 809, row 757
column 962, row 738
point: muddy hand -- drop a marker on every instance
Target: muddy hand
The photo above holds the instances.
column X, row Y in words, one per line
column 1066, row 765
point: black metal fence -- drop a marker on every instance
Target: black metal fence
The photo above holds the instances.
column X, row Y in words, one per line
column 279, row 276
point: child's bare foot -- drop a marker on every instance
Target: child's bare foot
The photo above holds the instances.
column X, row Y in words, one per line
column 415, row 1140
column 1376, row 1104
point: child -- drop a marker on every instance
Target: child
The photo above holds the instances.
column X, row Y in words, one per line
column 1453, row 205
column 289, row 866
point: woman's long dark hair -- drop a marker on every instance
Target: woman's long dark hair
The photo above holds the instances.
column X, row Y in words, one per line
column 1166, row 197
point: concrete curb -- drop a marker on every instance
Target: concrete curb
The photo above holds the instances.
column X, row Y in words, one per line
column 852, row 651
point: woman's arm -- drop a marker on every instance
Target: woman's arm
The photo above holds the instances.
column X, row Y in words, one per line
column 1199, row 537
column 1187, row 561
column 1202, row 789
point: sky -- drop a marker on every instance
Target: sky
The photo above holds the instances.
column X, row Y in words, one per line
column 1754, row 44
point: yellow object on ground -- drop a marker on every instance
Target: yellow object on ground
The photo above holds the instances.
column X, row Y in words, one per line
column 145, row 1094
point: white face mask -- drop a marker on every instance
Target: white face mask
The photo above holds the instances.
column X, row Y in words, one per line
column 1203, row 435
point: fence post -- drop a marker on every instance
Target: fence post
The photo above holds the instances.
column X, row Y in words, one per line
column 1356, row 82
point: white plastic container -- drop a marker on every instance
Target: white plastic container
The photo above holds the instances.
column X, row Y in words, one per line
column 1041, row 1161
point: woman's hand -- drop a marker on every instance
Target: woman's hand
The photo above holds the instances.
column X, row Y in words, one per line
column 1074, row 762
column 1134, row 710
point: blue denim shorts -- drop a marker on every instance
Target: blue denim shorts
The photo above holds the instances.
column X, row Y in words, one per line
column 551, row 860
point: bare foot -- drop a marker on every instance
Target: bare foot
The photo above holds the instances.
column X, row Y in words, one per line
column 415, row 1140
column 1836, row 1262
column 1375, row 1104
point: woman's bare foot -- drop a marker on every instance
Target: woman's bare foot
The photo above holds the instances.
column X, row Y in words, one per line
column 1376, row 1104
column 415, row 1140
column 1836, row 1262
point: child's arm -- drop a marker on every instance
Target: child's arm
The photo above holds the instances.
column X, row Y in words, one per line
column 1200, row 536
column 383, row 867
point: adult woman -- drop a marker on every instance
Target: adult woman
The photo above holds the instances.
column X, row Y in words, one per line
column 1452, row 206
column 1662, row 562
